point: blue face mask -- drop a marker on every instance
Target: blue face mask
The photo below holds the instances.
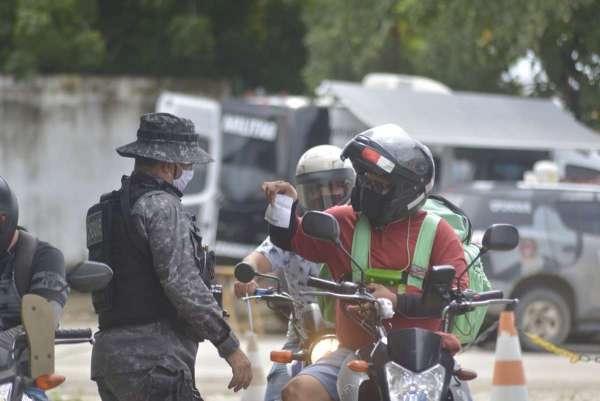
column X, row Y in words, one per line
column 182, row 182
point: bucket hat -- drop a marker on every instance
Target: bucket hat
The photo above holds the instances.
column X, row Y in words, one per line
column 168, row 138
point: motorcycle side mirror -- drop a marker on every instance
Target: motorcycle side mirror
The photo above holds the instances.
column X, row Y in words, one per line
column 437, row 284
column 244, row 272
column 497, row 237
column 89, row 276
column 500, row 237
column 321, row 225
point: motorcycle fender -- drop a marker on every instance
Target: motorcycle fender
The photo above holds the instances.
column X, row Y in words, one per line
column 349, row 381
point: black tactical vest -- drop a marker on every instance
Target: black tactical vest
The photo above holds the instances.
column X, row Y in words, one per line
column 135, row 295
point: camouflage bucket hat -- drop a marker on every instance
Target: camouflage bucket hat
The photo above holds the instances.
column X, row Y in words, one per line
column 167, row 138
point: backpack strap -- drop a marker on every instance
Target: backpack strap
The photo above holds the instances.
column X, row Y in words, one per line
column 326, row 304
column 422, row 252
column 361, row 245
column 24, row 251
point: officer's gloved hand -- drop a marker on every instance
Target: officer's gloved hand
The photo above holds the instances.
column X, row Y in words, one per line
column 241, row 369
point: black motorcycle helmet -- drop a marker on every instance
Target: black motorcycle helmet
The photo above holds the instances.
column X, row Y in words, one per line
column 387, row 151
column 9, row 215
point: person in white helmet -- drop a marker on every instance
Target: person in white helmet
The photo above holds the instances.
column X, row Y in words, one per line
column 323, row 180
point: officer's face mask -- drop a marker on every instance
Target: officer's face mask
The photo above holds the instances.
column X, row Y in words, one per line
column 184, row 179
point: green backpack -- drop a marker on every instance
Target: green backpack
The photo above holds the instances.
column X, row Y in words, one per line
column 465, row 327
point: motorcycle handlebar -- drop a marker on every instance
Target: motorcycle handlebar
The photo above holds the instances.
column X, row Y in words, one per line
column 263, row 291
column 345, row 287
column 488, row 295
column 323, row 284
column 62, row 334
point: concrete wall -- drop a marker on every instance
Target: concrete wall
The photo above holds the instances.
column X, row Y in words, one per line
column 57, row 141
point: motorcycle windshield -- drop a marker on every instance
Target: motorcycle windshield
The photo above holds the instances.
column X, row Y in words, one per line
column 415, row 349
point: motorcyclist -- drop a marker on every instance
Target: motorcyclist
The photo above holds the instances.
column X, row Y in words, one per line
column 395, row 173
column 27, row 266
column 323, row 180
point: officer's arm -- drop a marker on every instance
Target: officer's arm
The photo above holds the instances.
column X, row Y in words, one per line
column 163, row 221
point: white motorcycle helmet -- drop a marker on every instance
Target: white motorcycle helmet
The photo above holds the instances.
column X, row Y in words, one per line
column 323, row 180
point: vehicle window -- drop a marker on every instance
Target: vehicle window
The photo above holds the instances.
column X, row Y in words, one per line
column 509, row 170
column 247, row 163
column 580, row 216
column 199, row 181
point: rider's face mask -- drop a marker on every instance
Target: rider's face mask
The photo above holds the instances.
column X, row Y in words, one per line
column 371, row 196
column 377, row 183
column 187, row 173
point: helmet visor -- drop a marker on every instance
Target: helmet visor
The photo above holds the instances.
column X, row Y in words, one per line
column 325, row 189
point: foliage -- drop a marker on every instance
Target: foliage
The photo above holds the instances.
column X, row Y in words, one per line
column 250, row 42
column 291, row 45
column 50, row 36
column 260, row 43
column 472, row 44
column 347, row 38
column 467, row 44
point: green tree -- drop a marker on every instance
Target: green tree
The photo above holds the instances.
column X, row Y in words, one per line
column 467, row 44
column 156, row 37
column 472, row 44
column 347, row 39
column 252, row 43
column 50, row 36
column 259, row 43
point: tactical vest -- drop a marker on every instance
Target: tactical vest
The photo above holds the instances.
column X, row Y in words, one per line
column 135, row 295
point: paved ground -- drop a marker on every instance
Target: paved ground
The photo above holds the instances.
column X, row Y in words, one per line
column 549, row 377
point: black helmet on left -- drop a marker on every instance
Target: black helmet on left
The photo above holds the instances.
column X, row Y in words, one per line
column 9, row 215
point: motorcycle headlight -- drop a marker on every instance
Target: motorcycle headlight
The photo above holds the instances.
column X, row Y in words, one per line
column 405, row 385
column 323, row 346
column 5, row 390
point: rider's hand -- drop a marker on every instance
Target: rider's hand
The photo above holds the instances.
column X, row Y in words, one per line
column 378, row 291
column 243, row 289
column 242, row 370
column 381, row 291
column 272, row 188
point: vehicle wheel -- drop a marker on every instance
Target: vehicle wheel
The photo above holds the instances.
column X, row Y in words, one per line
column 543, row 312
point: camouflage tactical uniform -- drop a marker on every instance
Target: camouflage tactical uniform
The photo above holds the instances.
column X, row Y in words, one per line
column 155, row 361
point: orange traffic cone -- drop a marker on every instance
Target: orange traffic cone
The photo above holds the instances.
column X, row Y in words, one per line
column 509, row 376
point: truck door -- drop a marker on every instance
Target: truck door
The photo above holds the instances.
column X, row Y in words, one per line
column 575, row 241
column 260, row 143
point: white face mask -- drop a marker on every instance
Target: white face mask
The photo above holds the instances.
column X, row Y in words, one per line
column 185, row 178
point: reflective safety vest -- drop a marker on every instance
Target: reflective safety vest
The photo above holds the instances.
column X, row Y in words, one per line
column 466, row 326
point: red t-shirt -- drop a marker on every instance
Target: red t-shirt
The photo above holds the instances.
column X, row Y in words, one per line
column 388, row 251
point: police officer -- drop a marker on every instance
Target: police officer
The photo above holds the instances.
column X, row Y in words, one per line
column 159, row 304
column 27, row 266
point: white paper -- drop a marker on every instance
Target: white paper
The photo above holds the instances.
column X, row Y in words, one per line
column 279, row 212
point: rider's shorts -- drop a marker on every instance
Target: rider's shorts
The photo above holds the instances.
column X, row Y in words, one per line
column 326, row 370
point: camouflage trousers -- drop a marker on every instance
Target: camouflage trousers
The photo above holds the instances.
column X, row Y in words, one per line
column 156, row 384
